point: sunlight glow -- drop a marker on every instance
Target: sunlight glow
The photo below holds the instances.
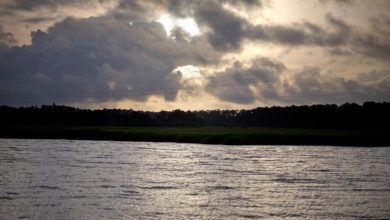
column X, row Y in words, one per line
column 188, row 71
column 187, row 24
column 167, row 22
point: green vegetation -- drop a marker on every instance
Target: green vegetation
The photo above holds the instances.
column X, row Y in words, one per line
column 231, row 136
column 348, row 124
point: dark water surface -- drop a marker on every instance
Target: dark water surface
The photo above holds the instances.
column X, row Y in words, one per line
column 63, row 179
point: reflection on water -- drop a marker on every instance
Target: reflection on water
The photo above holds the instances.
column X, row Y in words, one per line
column 63, row 179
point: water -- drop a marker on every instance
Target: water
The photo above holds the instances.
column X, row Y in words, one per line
column 63, row 179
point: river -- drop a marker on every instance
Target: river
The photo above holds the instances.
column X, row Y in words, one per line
column 69, row 179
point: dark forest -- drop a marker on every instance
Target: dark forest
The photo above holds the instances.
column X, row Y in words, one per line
column 368, row 116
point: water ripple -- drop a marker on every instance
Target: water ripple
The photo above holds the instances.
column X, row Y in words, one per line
column 68, row 179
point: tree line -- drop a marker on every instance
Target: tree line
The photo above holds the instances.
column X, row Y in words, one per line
column 369, row 115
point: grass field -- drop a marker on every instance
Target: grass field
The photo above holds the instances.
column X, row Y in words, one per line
column 235, row 136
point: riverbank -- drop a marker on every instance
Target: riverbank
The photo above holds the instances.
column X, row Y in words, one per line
column 228, row 136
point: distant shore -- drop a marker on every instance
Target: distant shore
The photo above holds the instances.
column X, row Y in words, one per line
column 227, row 136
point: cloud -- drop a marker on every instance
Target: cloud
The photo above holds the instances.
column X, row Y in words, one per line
column 97, row 59
column 373, row 47
column 243, row 84
column 311, row 85
column 125, row 54
column 223, row 28
column 345, row 2
column 339, row 52
column 226, row 29
column 269, row 81
column 39, row 19
column 51, row 4
column 303, row 34
column 185, row 8
column 6, row 38
column 375, row 43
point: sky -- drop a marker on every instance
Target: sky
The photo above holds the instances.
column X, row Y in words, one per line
column 193, row 54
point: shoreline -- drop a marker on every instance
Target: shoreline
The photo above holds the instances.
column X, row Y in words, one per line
column 224, row 136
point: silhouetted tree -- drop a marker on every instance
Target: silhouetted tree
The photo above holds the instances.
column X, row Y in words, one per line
column 370, row 115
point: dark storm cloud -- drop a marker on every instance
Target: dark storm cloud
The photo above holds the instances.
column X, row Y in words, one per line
column 375, row 44
column 234, row 83
column 97, row 59
column 303, row 34
column 311, row 86
column 227, row 29
column 30, row 5
column 107, row 59
column 263, row 80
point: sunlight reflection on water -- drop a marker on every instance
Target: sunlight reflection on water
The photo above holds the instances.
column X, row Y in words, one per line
column 65, row 179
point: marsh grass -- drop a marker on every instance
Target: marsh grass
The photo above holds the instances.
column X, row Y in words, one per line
column 229, row 136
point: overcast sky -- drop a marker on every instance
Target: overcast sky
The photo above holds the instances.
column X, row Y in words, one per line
column 193, row 54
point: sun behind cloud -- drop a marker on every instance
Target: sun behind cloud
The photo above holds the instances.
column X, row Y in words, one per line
column 187, row 24
column 182, row 54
